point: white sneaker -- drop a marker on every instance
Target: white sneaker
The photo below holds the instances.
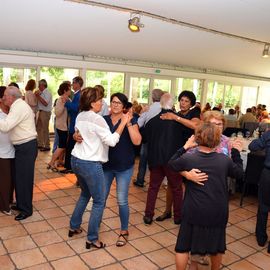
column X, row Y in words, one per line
column 8, row 213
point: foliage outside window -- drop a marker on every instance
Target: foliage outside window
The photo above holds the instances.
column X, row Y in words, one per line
column 55, row 76
column 18, row 75
column 215, row 93
column 164, row 85
column 139, row 90
column 232, row 96
column 193, row 85
column 113, row 82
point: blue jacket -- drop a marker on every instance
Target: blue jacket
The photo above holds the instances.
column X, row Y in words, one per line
column 73, row 110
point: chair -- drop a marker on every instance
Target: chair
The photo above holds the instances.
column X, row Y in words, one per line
column 251, row 126
column 255, row 165
column 230, row 130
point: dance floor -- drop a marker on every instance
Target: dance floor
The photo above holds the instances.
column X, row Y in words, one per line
column 41, row 241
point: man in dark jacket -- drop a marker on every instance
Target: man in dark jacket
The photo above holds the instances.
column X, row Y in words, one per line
column 163, row 139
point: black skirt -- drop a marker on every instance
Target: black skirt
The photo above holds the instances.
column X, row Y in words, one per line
column 201, row 240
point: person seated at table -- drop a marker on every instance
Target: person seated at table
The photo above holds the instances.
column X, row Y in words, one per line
column 231, row 120
column 205, row 208
column 248, row 117
column 265, row 122
column 263, row 143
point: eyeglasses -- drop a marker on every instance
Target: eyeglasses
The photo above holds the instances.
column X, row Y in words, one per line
column 116, row 103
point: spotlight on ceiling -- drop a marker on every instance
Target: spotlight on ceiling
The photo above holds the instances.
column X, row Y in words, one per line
column 134, row 23
column 265, row 53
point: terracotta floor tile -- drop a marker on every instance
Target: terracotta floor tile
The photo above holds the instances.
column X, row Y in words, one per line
column 164, row 238
column 73, row 191
column 135, row 218
column 243, row 265
column 35, row 217
column 113, row 223
column 19, row 244
column 37, row 227
column 122, row 253
column 45, row 204
column 138, row 263
column 109, row 238
column 39, row 197
column 145, row 244
column 251, row 241
column 12, row 231
column 44, row 266
column 116, row 266
column 52, row 212
column 240, row 249
column 244, row 213
column 97, row 258
column 59, row 222
column 68, row 209
column 260, row 260
column 247, row 225
column 55, row 194
column 6, row 263
column 57, row 251
column 150, row 229
column 2, row 249
column 74, row 262
column 109, row 213
column 7, row 221
column 63, row 201
column 46, row 238
column 27, row 258
column 50, row 187
column 229, row 258
column 78, row 245
column 236, row 232
column 134, row 233
column 162, row 258
column 138, row 206
column 63, row 232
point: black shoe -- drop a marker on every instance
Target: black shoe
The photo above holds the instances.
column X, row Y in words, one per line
column 21, row 216
column 147, row 220
column 45, row 149
column 177, row 221
column 164, row 216
column 65, row 171
column 261, row 241
column 135, row 183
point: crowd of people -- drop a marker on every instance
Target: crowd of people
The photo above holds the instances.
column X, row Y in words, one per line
column 98, row 143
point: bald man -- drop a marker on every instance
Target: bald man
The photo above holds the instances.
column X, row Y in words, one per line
column 20, row 123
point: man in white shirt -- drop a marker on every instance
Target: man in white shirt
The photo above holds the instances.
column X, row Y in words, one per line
column 44, row 107
column 20, row 123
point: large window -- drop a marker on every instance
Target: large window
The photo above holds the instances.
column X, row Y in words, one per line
column 232, row 96
column 113, row 82
column 18, row 75
column 55, row 76
column 139, row 90
column 215, row 92
column 163, row 84
column 249, row 98
column 264, row 97
column 193, row 85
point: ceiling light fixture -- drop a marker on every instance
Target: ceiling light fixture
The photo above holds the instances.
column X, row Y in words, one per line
column 265, row 53
column 134, row 23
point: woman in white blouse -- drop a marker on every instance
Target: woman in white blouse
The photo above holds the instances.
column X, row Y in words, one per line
column 7, row 154
column 87, row 159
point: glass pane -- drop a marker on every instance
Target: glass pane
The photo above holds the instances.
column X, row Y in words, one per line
column 264, row 97
column 232, row 97
column 55, row 76
column 193, row 85
column 249, row 97
column 139, row 90
column 164, row 85
column 113, row 82
column 215, row 93
column 18, row 75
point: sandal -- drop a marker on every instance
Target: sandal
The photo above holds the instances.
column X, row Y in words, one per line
column 74, row 232
column 53, row 168
column 88, row 245
column 122, row 239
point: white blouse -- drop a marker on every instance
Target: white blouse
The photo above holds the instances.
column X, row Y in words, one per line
column 97, row 137
column 6, row 147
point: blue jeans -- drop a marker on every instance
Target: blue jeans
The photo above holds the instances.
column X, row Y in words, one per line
column 142, row 164
column 122, row 184
column 91, row 178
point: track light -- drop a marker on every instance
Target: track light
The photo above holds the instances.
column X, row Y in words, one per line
column 134, row 23
column 265, row 53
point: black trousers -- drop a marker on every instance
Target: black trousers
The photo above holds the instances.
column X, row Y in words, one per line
column 263, row 206
column 69, row 148
column 25, row 157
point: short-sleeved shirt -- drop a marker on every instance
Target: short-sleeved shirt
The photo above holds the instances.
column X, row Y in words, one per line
column 47, row 96
column 121, row 156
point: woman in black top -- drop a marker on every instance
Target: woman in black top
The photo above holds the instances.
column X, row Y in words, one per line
column 205, row 207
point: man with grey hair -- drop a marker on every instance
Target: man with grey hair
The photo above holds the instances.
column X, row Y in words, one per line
column 20, row 123
column 163, row 139
column 154, row 109
column 44, row 98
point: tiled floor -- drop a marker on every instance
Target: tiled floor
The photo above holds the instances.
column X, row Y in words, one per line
column 41, row 241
